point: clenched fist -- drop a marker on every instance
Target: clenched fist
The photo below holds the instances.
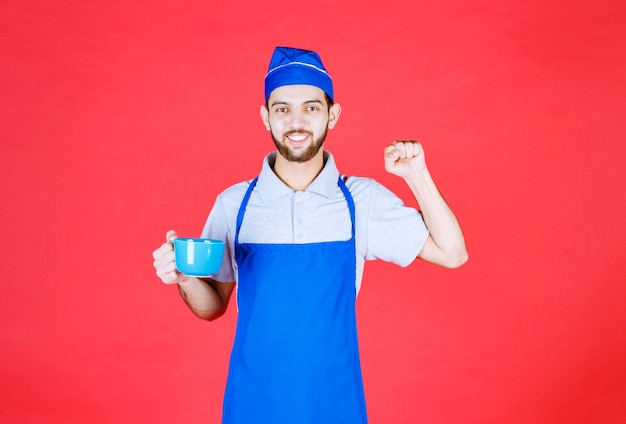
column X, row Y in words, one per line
column 405, row 158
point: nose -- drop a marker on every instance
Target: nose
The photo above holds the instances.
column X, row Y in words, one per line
column 297, row 120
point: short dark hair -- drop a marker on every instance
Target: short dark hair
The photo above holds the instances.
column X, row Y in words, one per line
column 329, row 101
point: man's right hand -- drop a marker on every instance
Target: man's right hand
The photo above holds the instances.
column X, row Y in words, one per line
column 165, row 261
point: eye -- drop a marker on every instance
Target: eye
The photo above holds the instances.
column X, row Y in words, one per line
column 312, row 108
column 280, row 109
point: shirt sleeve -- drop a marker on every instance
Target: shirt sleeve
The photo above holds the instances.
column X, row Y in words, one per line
column 217, row 227
column 395, row 233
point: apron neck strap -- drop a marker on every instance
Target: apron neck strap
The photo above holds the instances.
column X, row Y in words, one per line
column 348, row 196
column 242, row 208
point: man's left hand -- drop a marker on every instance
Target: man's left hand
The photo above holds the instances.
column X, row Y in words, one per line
column 405, row 158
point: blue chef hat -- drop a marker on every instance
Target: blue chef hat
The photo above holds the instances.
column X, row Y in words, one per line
column 290, row 66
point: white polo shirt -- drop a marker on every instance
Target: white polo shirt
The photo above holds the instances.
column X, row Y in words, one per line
column 385, row 228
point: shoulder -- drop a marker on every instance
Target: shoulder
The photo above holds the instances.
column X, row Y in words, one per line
column 358, row 185
column 365, row 188
column 231, row 197
column 236, row 190
column 377, row 202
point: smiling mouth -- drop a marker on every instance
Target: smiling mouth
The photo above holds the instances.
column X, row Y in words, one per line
column 298, row 137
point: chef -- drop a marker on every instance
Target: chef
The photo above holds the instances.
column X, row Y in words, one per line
column 297, row 238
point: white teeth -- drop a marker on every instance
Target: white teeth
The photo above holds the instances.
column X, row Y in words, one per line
column 297, row 137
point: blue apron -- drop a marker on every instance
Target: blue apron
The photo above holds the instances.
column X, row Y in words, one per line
column 295, row 358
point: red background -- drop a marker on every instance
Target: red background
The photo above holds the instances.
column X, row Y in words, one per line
column 121, row 120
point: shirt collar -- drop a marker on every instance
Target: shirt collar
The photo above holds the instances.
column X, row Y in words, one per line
column 272, row 188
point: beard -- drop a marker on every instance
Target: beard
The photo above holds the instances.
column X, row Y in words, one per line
column 300, row 156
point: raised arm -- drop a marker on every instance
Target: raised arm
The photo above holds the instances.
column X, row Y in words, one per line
column 445, row 245
column 206, row 298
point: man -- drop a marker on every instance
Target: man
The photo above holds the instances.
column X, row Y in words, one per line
column 297, row 239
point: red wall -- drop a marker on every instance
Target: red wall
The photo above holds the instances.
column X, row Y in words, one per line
column 121, row 120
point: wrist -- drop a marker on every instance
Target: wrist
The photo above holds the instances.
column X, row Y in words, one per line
column 186, row 282
column 418, row 177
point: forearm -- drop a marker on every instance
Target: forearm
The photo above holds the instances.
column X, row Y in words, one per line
column 441, row 222
column 203, row 297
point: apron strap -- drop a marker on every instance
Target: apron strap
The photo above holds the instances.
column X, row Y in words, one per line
column 348, row 196
column 242, row 208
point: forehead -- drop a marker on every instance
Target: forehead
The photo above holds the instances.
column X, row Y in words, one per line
column 297, row 94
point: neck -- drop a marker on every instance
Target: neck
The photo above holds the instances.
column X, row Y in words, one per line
column 299, row 175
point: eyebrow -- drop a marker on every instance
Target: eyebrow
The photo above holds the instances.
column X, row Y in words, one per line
column 282, row 102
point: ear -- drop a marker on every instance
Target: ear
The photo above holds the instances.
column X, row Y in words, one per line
column 265, row 117
column 333, row 115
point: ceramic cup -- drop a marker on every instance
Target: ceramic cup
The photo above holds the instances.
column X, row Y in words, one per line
column 197, row 257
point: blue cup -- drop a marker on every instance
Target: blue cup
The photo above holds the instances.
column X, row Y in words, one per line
column 197, row 257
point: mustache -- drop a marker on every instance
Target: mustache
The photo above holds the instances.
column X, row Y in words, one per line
column 298, row 131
